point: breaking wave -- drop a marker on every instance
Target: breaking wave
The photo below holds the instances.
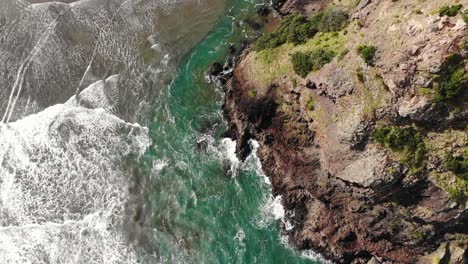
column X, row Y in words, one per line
column 76, row 82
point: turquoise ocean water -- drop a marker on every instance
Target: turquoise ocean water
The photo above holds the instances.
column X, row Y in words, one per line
column 201, row 211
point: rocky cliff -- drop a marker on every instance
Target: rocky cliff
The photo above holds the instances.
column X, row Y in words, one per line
column 368, row 146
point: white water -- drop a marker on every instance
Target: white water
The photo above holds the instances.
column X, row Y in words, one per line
column 68, row 137
column 62, row 177
column 273, row 209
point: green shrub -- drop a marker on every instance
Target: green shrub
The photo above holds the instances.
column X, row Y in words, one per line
column 360, row 75
column 417, row 235
column 458, row 190
column 332, row 20
column 452, row 79
column 342, row 54
column 311, row 104
column 293, row 29
column 450, row 10
column 398, row 138
column 407, row 141
column 305, row 62
column 465, row 16
column 301, row 64
column 457, row 165
column 316, row 20
column 297, row 29
column 367, row 53
column 253, row 93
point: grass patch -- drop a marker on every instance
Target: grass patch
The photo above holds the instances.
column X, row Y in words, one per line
column 408, row 142
column 271, row 64
column 297, row 29
column 367, row 53
column 456, row 187
column 450, row 149
column 305, row 62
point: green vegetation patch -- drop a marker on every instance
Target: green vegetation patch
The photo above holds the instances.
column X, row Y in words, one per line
column 297, row 29
column 417, row 235
column 450, row 147
column 294, row 29
column 450, row 11
column 406, row 141
column 329, row 21
column 458, row 165
column 273, row 63
column 311, row 104
column 452, row 79
column 456, row 187
column 253, row 93
column 367, row 53
column 342, row 54
column 305, row 62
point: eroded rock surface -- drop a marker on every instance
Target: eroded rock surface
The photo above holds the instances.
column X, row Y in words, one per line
column 347, row 196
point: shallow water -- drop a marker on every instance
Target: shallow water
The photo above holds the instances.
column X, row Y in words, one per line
column 111, row 146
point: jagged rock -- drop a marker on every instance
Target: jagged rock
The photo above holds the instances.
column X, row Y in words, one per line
column 216, row 68
column 355, row 201
column 414, row 107
column 369, row 169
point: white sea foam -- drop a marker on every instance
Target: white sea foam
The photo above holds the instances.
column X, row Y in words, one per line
column 62, row 177
column 92, row 240
column 67, row 189
column 227, row 154
column 253, row 163
column 308, row 254
column 275, row 208
column 159, row 165
column 272, row 208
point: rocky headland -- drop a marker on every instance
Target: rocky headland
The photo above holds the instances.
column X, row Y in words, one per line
column 360, row 109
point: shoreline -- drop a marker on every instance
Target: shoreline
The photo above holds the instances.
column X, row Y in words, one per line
column 348, row 221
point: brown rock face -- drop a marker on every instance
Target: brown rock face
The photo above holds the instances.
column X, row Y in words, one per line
column 345, row 221
column 347, row 197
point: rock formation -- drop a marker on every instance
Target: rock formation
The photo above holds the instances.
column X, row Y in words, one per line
column 348, row 196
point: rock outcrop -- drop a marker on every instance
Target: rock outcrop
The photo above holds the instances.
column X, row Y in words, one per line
column 348, row 197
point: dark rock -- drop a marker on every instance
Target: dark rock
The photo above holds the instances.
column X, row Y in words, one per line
column 268, row 139
column 216, row 69
column 311, row 85
column 254, row 25
column 263, row 11
column 232, row 50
